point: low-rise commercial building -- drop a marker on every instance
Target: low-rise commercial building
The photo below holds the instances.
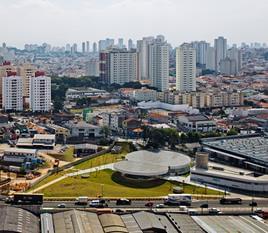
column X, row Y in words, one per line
column 80, row 93
column 22, row 159
column 198, row 123
column 83, row 130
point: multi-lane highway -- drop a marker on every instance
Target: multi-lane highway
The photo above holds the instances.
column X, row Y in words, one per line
column 261, row 203
column 140, row 204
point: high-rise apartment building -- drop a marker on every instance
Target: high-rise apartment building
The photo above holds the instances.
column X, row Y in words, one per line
column 210, row 58
column 74, row 48
column 40, row 92
column 5, row 68
column 220, row 45
column 26, row 72
column 143, row 57
column 158, row 64
column 105, row 44
column 87, row 47
column 68, row 48
column 92, row 67
column 120, row 43
column 95, row 47
column 12, row 92
column 118, row 66
column 186, row 68
column 130, row 44
column 235, row 54
column 83, row 47
column 228, row 66
column 201, row 48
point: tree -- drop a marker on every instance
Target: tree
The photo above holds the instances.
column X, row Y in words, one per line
column 232, row 132
column 105, row 131
column 172, row 136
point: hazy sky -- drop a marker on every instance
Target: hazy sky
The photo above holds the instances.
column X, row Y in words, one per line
column 67, row 21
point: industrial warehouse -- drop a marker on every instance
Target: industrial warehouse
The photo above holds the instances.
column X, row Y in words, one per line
column 249, row 151
column 17, row 220
column 153, row 163
column 227, row 177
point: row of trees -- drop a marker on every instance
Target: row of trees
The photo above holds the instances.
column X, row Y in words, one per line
column 61, row 84
column 158, row 138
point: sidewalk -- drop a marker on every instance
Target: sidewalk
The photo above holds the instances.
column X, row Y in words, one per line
column 80, row 172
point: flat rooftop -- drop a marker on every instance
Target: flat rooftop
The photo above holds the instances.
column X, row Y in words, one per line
column 44, row 137
column 226, row 224
column 250, row 147
column 152, row 163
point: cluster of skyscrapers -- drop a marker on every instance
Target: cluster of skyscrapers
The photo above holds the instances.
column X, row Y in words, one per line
column 149, row 62
column 24, row 88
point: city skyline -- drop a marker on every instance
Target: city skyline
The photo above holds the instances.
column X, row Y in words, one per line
column 58, row 22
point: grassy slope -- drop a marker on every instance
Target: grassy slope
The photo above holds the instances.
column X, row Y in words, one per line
column 101, row 180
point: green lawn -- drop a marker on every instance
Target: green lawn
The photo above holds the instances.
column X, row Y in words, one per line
column 102, row 182
column 50, row 178
column 100, row 160
column 67, row 155
column 94, row 162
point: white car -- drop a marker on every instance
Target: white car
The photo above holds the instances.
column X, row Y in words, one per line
column 214, row 211
column 160, row 206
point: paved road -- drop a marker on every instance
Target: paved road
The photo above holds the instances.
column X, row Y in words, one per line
column 80, row 172
column 262, row 203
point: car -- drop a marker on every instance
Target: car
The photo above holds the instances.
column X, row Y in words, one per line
column 149, row 204
column 160, row 206
column 61, row 205
column 99, row 203
column 192, row 211
column 214, row 211
column 119, row 211
column 258, row 211
column 253, row 204
column 204, row 206
column 123, row 201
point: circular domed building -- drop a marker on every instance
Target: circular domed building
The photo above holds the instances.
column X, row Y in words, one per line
column 148, row 164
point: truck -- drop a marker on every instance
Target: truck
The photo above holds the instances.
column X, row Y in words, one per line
column 25, row 199
column 178, row 199
column 81, row 200
column 230, row 201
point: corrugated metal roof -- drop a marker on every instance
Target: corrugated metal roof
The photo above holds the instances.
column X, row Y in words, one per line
column 185, row 223
column 47, row 225
column 18, row 220
column 148, row 221
column 112, row 223
column 75, row 221
column 131, row 224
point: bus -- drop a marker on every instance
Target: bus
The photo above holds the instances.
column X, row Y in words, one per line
column 230, row 201
column 178, row 199
column 26, row 199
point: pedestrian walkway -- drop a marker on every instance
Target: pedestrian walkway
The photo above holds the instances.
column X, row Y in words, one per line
column 80, row 172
